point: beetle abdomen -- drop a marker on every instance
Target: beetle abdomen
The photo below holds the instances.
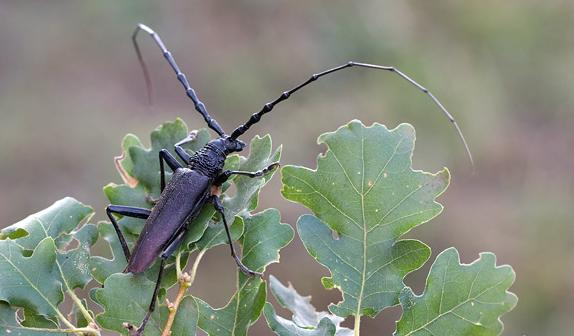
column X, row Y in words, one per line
column 183, row 197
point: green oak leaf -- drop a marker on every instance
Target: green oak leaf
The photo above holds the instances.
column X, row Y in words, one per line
column 365, row 196
column 126, row 298
column 56, row 221
column 306, row 320
column 61, row 225
column 61, row 221
column 186, row 319
column 79, row 319
column 31, row 282
column 102, row 267
column 73, row 264
column 459, row 299
column 284, row 327
column 262, row 240
column 33, row 320
column 9, row 324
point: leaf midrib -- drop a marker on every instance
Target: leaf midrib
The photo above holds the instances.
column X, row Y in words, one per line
column 25, row 277
column 455, row 307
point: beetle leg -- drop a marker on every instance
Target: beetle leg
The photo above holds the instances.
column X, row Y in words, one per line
column 227, row 173
column 219, row 208
column 125, row 211
column 151, row 200
column 168, row 251
column 151, row 308
column 180, row 151
column 165, row 155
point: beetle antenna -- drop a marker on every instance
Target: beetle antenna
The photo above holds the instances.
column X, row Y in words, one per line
column 269, row 106
column 199, row 106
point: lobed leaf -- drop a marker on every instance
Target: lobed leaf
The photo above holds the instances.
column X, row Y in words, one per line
column 306, row 320
column 365, row 196
column 56, row 221
column 262, row 240
column 126, row 298
column 31, row 282
column 37, row 282
column 459, row 299
column 284, row 327
column 10, row 325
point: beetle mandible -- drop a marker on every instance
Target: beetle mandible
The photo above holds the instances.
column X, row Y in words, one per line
column 201, row 179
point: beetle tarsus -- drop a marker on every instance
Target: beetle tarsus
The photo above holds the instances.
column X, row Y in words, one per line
column 246, row 270
column 151, row 200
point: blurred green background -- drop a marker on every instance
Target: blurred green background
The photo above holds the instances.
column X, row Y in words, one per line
column 70, row 89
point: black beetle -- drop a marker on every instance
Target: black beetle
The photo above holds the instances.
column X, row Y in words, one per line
column 197, row 184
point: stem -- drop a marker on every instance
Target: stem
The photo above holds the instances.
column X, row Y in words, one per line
column 83, row 331
column 178, row 264
column 196, row 264
column 83, row 309
column 64, row 320
column 357, row 324
column 185, row 281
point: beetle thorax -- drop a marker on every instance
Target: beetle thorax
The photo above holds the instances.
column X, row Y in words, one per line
column 209, row 160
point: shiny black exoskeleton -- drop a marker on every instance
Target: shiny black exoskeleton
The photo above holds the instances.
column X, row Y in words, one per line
column 181, row 200
column 198, row 183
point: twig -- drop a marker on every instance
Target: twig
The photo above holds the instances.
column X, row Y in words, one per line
column 87, row 331
column 185, row 281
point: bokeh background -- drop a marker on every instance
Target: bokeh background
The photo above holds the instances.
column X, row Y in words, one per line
column 70, row 89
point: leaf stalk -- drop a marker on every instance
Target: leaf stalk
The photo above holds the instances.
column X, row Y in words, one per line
column 357, row 326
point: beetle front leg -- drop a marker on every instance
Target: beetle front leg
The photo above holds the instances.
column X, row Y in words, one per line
column 181, row 151
column 219, row 208
column 227, row 173
column 165, row 155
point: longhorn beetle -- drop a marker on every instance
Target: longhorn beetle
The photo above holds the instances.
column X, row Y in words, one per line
column 201, row 179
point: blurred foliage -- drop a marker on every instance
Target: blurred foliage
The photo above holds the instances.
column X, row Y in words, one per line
column 68, row 71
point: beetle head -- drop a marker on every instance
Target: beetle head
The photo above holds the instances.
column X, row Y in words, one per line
column 228, row 145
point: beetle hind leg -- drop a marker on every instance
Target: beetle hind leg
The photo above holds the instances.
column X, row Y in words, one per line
column 139, row 331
